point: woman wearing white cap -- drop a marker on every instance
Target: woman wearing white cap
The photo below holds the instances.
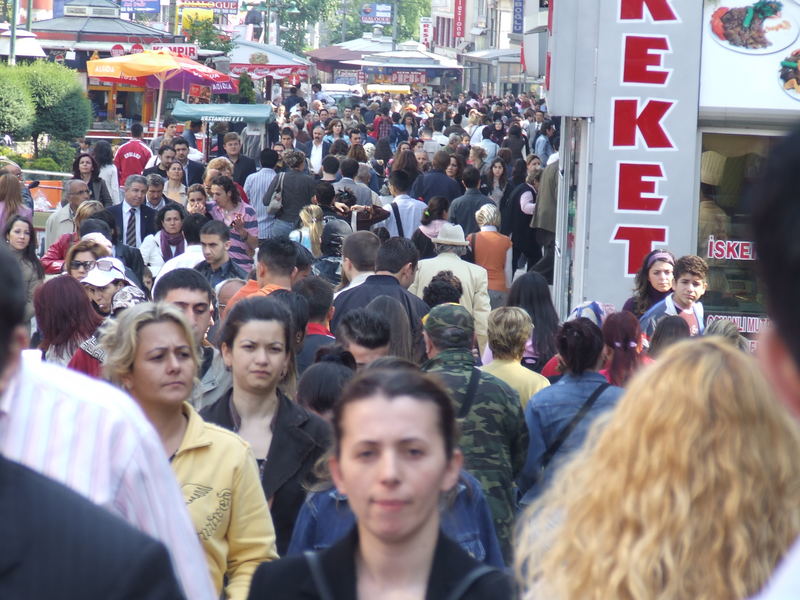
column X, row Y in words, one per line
column 104, row 280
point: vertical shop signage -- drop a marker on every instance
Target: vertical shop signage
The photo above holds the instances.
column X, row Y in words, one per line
column 459, row 18
column 518, row 17
column 425, row 30
column 643, row 193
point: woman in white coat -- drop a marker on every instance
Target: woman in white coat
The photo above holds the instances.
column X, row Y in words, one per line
column 168, row 242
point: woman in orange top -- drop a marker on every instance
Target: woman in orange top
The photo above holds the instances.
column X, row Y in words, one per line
column 492, row 251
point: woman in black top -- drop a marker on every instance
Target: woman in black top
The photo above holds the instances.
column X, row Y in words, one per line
column 257, row 344
column 395, row 454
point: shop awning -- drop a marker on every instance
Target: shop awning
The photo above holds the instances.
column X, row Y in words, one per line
column 265, row 60
column 250, row 113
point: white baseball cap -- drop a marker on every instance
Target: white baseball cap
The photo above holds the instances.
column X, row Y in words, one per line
column 104, row 271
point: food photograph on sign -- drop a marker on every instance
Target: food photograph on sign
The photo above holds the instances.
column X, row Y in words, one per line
column 759, row 41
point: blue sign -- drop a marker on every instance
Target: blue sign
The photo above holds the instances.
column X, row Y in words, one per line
column 518, row 17
column 145, row 6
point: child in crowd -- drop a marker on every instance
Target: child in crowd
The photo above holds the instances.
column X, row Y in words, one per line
column 688, row 287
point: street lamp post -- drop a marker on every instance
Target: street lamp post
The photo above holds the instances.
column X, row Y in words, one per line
column 12, row 46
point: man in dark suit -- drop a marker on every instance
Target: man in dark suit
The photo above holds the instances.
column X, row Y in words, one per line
column 192, row 170
column 57, row 544
column 242, row 165
column 133, row 220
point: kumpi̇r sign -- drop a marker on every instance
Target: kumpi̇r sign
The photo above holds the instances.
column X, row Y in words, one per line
column 643, row 191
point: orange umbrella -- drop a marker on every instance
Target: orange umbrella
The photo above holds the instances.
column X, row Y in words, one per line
column 161, row 64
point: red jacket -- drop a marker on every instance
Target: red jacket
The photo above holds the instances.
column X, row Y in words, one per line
column 53, row 259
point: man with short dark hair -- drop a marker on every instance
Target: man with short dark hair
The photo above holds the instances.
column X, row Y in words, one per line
column 134, row 220
column 543, row 147
column 319, row 294
column 217, row 266
column 276, row 269
column 189, row 291
column 192, row 170
column 330, row 169
column 170, row 133
column 494, row 436
column 365, row 334
column 462, row 209
column 405, row 211
column 132, row 156
column 291, row 99
column 435, row 182
column 116, row 461
column 155, row 197
column 395, row 266
column 358, row 258
column 166, row 154
column 243, row 165
column 349, row 168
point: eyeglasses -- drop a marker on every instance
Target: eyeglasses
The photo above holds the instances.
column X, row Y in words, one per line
column 82, row 264
column 106, row 265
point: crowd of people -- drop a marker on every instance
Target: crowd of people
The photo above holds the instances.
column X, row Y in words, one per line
column 342, row 375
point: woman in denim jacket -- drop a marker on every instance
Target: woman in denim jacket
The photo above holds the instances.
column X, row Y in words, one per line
column 550, row 411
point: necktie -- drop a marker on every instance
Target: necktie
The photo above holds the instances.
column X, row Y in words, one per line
column 130, row 234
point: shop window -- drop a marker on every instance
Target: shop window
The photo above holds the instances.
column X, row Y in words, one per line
column 730, row 166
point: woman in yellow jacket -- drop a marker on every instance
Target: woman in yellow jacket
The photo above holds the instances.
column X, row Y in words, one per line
column 152, row 355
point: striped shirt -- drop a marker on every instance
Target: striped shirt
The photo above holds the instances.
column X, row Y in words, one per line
column 93, row 438
column 239, row 248
column 255, row 186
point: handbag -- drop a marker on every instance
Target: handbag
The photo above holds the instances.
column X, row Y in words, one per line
column 275, row 205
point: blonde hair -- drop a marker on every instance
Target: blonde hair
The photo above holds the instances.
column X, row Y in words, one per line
column 86, row 210
column 487, row 215
column 219, row 164
column 510, row 327
column 120, row 336
column 311, row 216
column 688, row 489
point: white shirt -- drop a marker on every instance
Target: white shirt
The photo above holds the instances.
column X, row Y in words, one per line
column 316, row 157
column 410, row 210
column 109, row 174
column 126, row 209
column 357, row 281
column 94, row 439
column 255, row 186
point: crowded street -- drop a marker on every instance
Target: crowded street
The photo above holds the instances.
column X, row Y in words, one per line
column 450, row 300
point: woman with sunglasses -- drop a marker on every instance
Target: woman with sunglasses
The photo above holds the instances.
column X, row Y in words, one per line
column 82, row 257
column 21, row 239
column 53, row 259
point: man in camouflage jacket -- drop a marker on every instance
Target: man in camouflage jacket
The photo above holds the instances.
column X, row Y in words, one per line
column 494, row 437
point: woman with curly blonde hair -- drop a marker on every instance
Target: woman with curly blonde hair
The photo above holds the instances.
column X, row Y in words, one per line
column 687, row 490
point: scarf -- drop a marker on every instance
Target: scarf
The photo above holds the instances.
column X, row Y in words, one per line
column 172, row 239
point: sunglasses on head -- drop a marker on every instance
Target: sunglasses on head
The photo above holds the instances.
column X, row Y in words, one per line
column 106, row 265
column 82, row 264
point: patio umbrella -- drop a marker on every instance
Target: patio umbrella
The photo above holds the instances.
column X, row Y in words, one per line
column 161, row 64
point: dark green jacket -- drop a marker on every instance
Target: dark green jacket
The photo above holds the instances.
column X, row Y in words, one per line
column 494, row 436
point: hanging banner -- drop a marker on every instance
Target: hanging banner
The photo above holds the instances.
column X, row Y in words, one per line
column 425, row 30
column 459, row 19
column 185, row 50
column 518, row 17
column 372, row 14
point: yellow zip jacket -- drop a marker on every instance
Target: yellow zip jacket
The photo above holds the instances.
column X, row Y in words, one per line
column 219, row 479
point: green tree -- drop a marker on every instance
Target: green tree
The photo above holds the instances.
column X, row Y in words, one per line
column 206, row 35
column 16, row 107
column 62, row 109
column 247, row 91
column 293, row 38
column 410, row 11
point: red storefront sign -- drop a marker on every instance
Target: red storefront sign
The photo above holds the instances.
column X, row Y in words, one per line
column 117, row 50
column 460, row 18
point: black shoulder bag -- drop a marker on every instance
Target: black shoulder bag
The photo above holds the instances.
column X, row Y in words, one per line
column 565, row 433
column 397, row 220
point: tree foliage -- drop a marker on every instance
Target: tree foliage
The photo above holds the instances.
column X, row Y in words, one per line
column 247, row 91
column 409, row 12
column 16, row 107
column 205, row 34
column 294, row 37
column 62, row 109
